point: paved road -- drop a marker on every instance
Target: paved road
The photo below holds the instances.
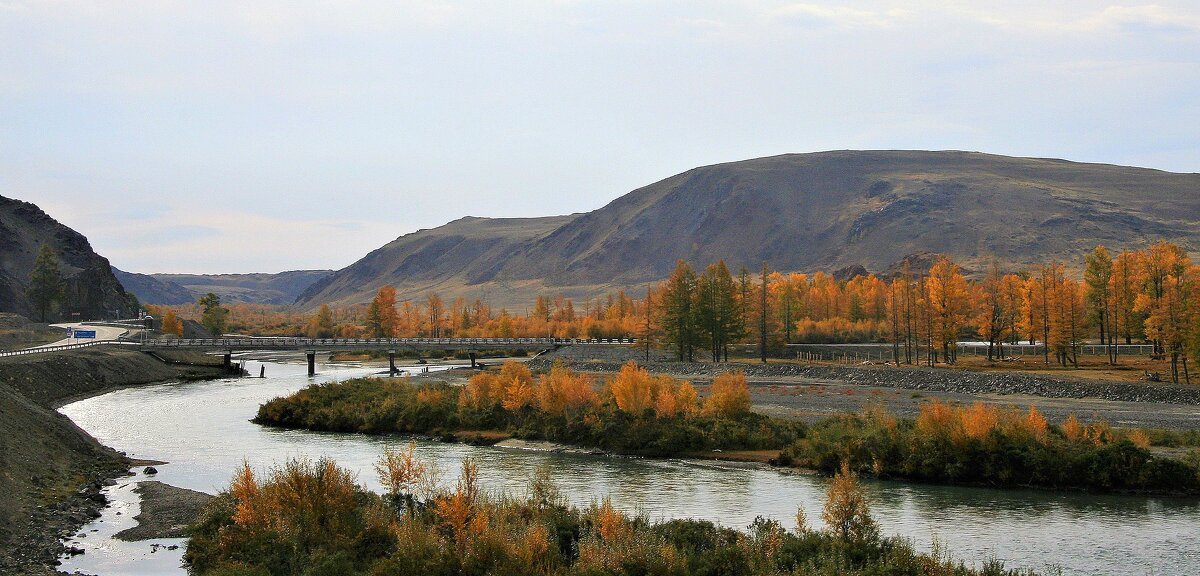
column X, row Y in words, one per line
column 102, row 333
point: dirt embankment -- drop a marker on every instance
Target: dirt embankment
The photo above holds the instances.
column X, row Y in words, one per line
column 51, row 471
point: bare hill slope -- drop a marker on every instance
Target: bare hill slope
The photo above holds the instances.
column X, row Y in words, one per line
column 827, row 211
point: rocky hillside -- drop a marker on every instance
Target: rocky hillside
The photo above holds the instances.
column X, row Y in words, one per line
column 460, row 258
column 281, row 288
column 92, row 292
column 804, row 212
column 151, row 290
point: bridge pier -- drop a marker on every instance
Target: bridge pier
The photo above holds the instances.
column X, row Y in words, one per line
column 391, row 362
column 227, row 362
column 312, row 362
column 472, row 359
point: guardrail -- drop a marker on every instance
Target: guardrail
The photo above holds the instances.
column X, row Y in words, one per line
column 44, row 349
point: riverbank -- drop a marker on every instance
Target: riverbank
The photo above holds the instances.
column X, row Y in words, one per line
column 611, row 358
column 51, row 471
column 814, row 392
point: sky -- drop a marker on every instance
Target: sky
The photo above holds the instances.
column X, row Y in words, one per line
column 223, row 137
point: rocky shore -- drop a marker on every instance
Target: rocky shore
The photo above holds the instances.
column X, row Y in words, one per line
column 52, row 472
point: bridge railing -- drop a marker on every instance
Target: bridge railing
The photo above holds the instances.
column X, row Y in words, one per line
column 294, row 342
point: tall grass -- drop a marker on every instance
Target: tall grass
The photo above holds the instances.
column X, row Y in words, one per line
column 309, row 518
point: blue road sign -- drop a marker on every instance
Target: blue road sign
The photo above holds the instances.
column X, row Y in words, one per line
column 85, row 333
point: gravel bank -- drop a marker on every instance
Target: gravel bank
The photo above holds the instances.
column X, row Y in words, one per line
column 166, row 511
column 610, row 358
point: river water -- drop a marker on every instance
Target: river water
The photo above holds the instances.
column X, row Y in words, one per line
column 202, row 429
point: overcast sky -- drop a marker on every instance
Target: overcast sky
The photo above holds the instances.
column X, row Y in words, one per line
column 211, row 137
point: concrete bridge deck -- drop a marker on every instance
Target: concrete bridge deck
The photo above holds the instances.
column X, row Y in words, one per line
column 311, row 346
column 326, row 344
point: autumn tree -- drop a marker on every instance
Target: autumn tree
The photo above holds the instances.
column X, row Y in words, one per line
column 994, row 313
column 729, row 396
column 382, row 317
column 45, row 282
column 903, row 297
column 1162, row 260
column 1041, row 290
column 561, row 390
column 1065, row 316
column 1124, row 287
column 1169, row 320
column 171, row 324
column 322, row 325
column 846, row 511
column 949, row 304
column 517, row 381
column 763, row 314
column 632, row 389
column 402, row 474
column 437, row 312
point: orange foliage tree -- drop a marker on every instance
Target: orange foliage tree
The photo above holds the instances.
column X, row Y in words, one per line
column 728, row 397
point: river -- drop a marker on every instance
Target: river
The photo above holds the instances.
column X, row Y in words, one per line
column 202, row 430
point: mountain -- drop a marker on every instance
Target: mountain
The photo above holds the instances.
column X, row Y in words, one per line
column 92, row 292
column 281, row 288
column 151, row 290
column 796, row 212
column 456, row 259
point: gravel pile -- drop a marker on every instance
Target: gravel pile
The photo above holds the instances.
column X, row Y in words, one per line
column 610, row 358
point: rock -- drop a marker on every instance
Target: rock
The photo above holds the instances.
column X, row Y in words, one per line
column 150, row 471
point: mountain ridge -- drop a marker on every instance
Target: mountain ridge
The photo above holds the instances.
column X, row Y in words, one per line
column 803, row 212
column 255, row 288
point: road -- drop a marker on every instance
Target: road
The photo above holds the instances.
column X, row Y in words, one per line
column 102, row 333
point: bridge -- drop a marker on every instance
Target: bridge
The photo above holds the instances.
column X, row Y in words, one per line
column 311, row 346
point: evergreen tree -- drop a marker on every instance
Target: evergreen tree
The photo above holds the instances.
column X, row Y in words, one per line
column 45, row 283
column 679, row 311
column 718, row 318
column 1097, row 276
column 214, row 315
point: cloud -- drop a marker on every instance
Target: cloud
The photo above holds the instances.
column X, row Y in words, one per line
column 1134, row 20
column 813, row 15
column 1141, row 18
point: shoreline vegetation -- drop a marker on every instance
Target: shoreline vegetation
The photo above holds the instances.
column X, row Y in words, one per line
column 637, row 413
column 311, row 518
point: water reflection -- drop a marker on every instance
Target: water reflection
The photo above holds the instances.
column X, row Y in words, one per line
column 203, row 430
